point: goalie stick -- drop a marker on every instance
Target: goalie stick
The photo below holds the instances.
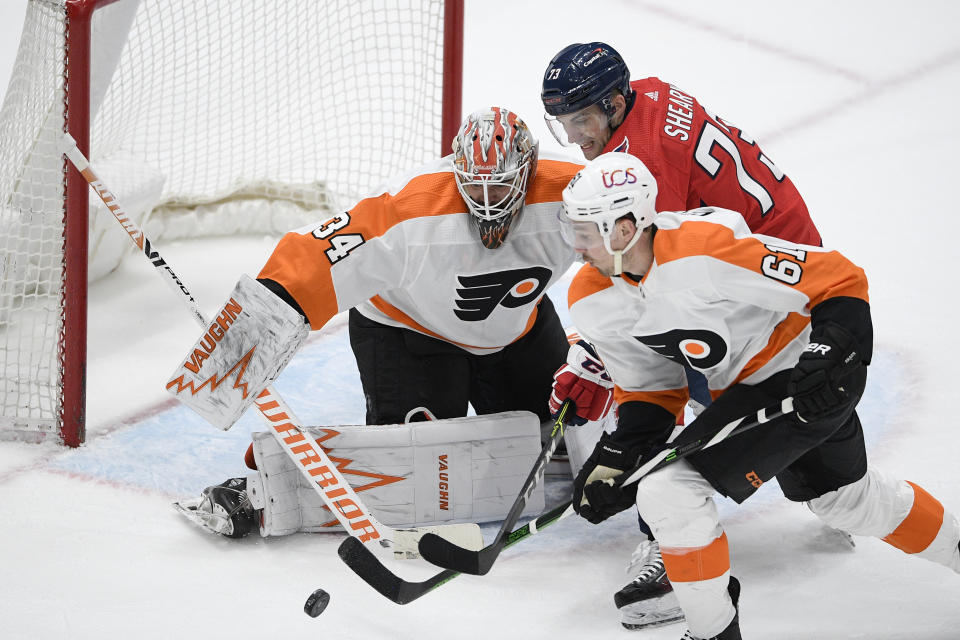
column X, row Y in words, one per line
column 462, row 560
column 446, row 554
column 309, row 457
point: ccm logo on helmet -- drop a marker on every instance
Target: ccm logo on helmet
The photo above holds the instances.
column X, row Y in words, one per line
column 618, row 177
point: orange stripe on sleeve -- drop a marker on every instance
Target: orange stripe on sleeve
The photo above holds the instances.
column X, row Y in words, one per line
column 299, row 262
column 586, row 282
column 294, row 264
column 788, row 329
column 921, row 525
column 826, row 274
column 692, row 564
column 548, row 183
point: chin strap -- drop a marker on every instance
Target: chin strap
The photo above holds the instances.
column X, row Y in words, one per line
column 618, row 253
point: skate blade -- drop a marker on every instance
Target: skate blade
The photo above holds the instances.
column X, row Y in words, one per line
column 649, row 621
column 651, row 612
column 843, row 536
column 209, row 522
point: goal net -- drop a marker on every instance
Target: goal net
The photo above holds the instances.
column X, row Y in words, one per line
column 204, row 117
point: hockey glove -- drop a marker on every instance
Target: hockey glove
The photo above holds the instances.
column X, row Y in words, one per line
column 585, row 381
column 829, row 375
column 595, row 495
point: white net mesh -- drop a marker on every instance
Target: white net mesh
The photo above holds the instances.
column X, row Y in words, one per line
column 212, row 117
column 31, row 214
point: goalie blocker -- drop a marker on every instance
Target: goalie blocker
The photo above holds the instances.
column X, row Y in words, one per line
column 409, row 475
column 239, row 355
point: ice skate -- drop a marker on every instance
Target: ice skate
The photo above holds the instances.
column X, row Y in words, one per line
column 224, row 509
column 649, row 599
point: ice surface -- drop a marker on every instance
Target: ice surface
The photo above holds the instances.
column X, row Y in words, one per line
column 856, row 101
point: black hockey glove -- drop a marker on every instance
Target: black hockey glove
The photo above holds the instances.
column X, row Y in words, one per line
column 829, row 375
column 595, row 496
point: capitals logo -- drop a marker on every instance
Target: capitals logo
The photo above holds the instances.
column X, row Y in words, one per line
column 478, row 296
column 694, row 348
column 624, row 146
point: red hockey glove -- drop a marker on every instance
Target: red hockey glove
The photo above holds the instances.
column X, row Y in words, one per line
column 585, row 381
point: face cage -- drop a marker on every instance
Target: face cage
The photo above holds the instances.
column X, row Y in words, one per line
column 509, row 204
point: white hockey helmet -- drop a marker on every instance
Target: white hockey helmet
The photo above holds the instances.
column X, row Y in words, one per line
column 610, row 187
column 494, row 160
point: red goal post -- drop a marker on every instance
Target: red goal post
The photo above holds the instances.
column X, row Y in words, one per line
column 209, row 117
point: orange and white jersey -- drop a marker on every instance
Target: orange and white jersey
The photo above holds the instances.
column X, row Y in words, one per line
column 411, row 257
column 604, row 311
column 733, row 305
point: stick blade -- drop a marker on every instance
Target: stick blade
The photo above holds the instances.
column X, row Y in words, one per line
column 368, row 567
column 444, row 553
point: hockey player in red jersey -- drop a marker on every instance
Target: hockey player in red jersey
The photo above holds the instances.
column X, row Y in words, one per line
column 697, row 159
column 444, row 275
column 762, row 319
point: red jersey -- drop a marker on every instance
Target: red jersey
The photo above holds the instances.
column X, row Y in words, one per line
column 701, row 160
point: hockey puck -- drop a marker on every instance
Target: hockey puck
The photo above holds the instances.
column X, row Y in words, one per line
column 316, row 603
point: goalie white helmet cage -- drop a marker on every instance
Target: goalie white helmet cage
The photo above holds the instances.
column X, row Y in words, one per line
column 612, row 186
column 494, row 160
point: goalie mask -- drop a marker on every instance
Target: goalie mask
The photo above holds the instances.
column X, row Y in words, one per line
column 494, row 161
column 612, row 186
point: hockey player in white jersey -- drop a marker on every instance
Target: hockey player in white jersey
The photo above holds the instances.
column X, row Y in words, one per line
column 763, row 319
column 444, row 275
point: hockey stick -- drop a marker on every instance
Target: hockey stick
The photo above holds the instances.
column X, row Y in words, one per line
column 444, row 553
column 307, row 456
column 479, row 562
column 365, row 564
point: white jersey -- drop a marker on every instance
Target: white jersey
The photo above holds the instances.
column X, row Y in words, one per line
column 411, row 257
column 733, row 305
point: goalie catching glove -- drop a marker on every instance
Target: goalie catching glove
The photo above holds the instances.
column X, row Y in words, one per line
column 585, row 381
column 239, row 355
column 596, row 496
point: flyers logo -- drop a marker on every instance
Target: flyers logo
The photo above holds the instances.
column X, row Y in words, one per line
column 480, row 295
column 694, row 348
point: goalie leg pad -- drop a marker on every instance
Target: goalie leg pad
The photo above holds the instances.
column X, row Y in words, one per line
column 239, row 355
column 409, row 475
